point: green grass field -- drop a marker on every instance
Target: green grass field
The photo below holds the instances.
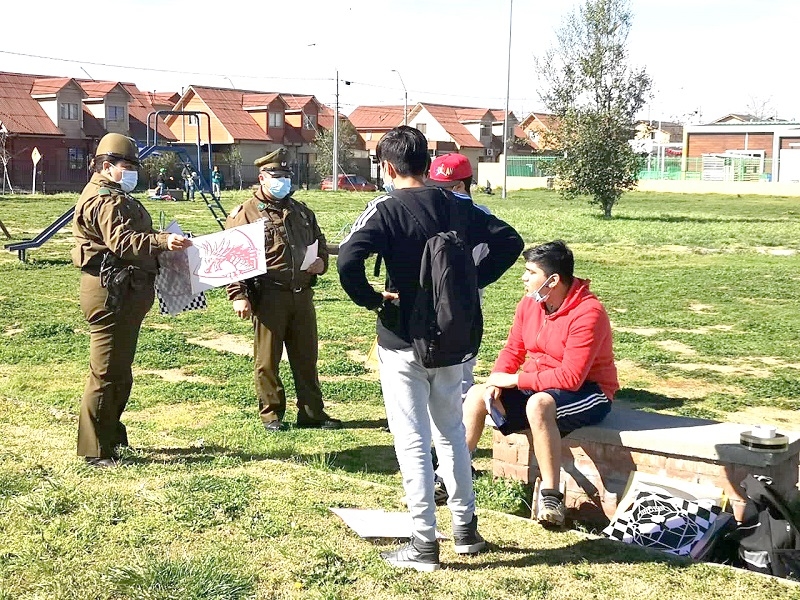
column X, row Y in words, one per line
column 704, row 296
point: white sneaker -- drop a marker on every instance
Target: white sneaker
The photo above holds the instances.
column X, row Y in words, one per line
column 550, row 508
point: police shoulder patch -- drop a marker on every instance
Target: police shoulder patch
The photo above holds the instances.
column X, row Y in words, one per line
column 103, row 191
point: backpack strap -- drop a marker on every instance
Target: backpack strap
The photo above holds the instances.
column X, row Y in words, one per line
column 760, row 492
column 457, row 219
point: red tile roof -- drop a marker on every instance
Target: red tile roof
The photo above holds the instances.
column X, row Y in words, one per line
column 46, row 86
column 91, row 125
column 447, row 117
column 499, row 114
column 292, row 135
column 19, row 112
column 549, row 121
column 163, row 98
column 252, row 100
column 297, row 102
column 472, row 114
column 97, row 89
column 138, row 109
column 376, row 118
column 226, row 105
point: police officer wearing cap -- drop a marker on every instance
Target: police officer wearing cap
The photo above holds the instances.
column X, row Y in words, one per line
column 280, row 302
column 116, row 249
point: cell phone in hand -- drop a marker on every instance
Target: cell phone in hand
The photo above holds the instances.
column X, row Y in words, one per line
column 498, row 417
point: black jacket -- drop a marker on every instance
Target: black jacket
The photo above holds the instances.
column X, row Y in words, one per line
column 386, row 228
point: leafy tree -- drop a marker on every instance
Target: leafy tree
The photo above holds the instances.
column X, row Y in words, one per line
column 155, row 162
column 324, row 144
column 595, row 96
column 234, row 158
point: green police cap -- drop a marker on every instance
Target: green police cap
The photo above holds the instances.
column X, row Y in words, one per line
column 273, row 162
column 118, row 146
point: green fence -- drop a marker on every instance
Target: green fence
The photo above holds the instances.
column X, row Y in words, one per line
column 529, row 166
column 730, row 169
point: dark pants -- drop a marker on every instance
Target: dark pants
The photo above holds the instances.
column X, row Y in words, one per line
column 286, row 317
column 112, row 345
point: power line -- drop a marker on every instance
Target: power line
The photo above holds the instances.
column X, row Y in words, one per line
column 154, row 70
column 243, row 76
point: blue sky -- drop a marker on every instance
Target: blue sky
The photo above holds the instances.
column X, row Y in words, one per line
column 712, row 56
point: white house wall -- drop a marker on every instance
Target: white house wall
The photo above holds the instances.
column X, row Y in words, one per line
column 433, row 130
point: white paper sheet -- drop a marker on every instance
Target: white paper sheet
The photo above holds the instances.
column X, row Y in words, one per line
column 312, row 253
column 369, row 523
column 232, row 255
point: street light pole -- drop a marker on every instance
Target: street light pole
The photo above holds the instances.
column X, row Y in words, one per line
column 405, row 97
column 336, row 137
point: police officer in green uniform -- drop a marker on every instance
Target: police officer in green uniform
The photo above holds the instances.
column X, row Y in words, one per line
column 116, row 249
column 281, row 301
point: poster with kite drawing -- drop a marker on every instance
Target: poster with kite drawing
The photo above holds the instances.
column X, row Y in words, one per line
column 232, row 255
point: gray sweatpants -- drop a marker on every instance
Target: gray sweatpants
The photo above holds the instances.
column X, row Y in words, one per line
column 424, row 405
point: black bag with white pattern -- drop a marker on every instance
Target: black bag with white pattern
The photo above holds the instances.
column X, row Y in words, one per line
column 768, row 536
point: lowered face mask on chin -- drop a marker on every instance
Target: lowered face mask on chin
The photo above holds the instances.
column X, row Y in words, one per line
column 537, row 294
column 279, row 187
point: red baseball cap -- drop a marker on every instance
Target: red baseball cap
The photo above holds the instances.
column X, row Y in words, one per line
column 449, row 169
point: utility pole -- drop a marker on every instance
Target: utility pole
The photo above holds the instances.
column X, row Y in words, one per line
column 508, row 94
column 405, row 97
column 336, row 137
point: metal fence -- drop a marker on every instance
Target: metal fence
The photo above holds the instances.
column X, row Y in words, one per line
column 709, row 168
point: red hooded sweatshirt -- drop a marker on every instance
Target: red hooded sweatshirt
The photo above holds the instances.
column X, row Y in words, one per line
column 564, row 349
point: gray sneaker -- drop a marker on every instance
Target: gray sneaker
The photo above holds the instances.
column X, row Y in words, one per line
column 467, row 539
column 417, row 554
column 550, row 510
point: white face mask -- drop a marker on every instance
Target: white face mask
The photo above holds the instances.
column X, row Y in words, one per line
column 388, row 183
column 279, row 187
column 537, row 294
column 129, row 179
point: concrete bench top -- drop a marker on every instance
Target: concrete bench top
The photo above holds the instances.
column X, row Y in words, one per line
column 669, row 434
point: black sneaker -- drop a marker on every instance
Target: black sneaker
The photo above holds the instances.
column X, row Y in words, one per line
column 273, row 426
column 100, row 463
column 327, row 423
column 417, row 554
column 467, row 539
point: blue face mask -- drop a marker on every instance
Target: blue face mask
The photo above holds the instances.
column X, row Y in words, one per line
column 279, row 187
column 389, row 187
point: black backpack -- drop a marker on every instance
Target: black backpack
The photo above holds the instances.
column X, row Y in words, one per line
column 768, row 537
column 446, row 322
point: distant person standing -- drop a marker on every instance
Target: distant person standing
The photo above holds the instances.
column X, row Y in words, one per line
column 161, row 182
column 116, row 250
column 188, row 180
column 217, row 181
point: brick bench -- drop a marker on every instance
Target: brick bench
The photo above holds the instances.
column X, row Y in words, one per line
column 596, row 461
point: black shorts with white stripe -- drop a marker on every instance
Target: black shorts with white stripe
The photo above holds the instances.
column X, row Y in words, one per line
column 586, row 406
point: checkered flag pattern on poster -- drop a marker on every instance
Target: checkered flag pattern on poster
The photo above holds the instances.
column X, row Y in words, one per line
column 173, row 282
column 169, row 306
column 664, row 522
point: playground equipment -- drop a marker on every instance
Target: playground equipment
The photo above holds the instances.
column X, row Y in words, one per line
column 206, row 193
column 204, row 188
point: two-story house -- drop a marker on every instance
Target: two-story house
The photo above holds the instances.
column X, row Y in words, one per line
column 474, row 132
column 64, row 118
